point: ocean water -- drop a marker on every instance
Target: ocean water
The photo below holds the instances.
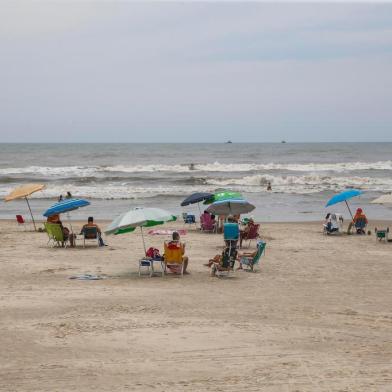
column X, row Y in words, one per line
column 116, row 177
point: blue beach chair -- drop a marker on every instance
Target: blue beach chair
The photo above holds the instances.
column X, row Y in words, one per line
column 249, row 261
column 231, row 235
column 188, row 218
column 360, row 225
column 231, row 232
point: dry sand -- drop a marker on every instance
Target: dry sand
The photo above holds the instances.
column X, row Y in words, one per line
column 316, row 316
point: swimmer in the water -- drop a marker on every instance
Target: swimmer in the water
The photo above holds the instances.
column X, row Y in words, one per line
column 269, row 187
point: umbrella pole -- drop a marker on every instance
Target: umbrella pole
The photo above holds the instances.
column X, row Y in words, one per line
column 349, row 210
column 69, row 221
column 144, row 244
column 32, row 217
column 198, row 204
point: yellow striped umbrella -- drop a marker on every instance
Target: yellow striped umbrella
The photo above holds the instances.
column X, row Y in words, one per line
column 22, row 192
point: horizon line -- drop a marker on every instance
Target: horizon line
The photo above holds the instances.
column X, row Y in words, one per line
column 218, row 143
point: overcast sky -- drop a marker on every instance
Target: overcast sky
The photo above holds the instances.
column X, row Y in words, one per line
column 195, row 72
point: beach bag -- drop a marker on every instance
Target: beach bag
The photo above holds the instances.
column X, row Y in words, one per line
column 153, row 253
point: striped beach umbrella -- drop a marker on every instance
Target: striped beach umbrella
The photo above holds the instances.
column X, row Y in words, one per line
column 66, row 205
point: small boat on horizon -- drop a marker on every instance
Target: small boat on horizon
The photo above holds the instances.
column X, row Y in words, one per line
column 229, row 142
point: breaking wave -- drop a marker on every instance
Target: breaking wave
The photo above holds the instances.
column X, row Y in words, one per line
column 85, row 171
column 303, row 184
column 260, row 180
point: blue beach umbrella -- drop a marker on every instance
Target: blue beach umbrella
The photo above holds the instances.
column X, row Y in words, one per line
column 196, row 198
column 344, row 196
column 66, row 205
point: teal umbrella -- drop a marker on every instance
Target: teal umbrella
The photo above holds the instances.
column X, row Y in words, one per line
column 139, row 217
column 344, row 196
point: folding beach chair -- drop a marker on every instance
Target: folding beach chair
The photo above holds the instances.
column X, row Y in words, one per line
column 231, row 234
column 360, row 225
column 226, row 263
column 334, row 224
column 251, row 262
column 90, row 234
column 188, row 218
column 382, row 234
column 206, row 223
column 152, row 256
column 55, row 234
column 21, row 222
column 149, row 263
column 173, row 257
column 252, row 234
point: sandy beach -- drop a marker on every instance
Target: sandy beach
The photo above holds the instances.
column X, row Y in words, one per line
column 315, row 317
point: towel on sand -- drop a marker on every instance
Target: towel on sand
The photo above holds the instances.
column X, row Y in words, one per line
column 166, row 232
column 87, row 277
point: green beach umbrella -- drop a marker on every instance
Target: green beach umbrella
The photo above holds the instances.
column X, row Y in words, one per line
column 223, row 195
column 139, row 217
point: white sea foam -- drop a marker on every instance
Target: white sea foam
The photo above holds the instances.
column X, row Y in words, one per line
column 110, row 191
column 297, row 184
column 248, row 184
column 47, row 171
column 306, row 167
column 82, row 171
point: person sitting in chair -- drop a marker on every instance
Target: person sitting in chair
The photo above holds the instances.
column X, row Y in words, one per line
column 245, row 254
column 245, row 231
column 360, row 221
column 208, row 216
column 68, row 236
column 332, row 223
column 90, row 223
column 234, row 230
column 176, row 240
column 228, row 256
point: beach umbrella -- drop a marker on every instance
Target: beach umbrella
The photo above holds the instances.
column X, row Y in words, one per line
column 66, row 205
column 23, row 192
column 344, row 196
column 196, row 198
column 231, row 207
column 139, row 217
column 223, row 195
column 384, row 199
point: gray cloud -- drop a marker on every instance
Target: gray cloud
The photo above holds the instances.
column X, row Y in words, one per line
column 195, row 72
